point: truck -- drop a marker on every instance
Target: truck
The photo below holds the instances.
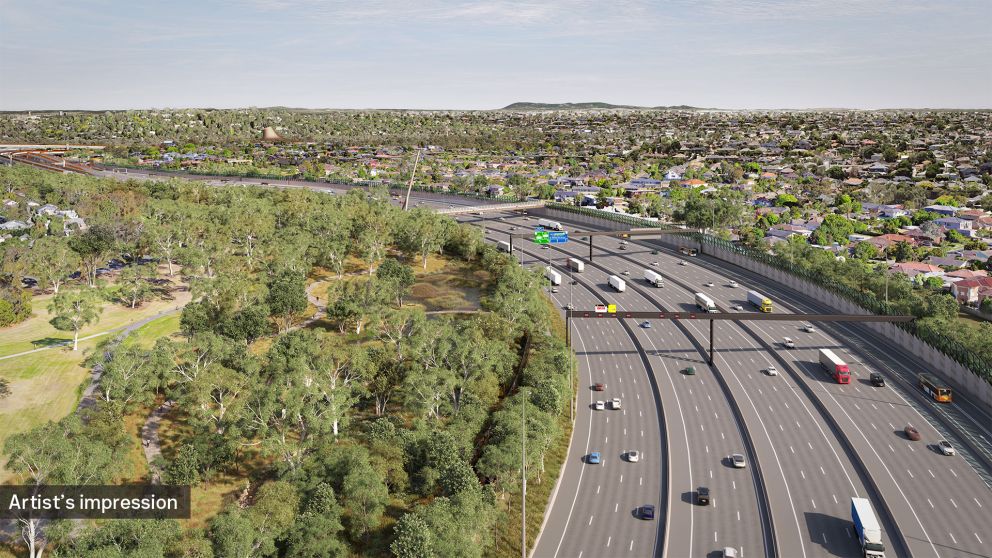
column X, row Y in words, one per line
column 834, row 366
column 617, row 283
column 503, row 246
column 867, row 529
column 552, row 275
column 653, row 278
column 576, row 264
column 760, row 301
column 549, row 224
column 705, row 303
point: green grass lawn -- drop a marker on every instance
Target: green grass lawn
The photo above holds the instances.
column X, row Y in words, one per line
column 36, row 332
column 146, row 335
column 45, row 386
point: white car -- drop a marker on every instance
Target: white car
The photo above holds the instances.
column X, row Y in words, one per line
column 789, row 343
column 732, row 284
column 682, row 262
column 625, row 272
column 808, row 328
column 771, row 370
column 738, row 461
column 599, row 405
column 615, row 403
column 709, row 283
column 738, row 307
column 945, row 447
column 633, row 456
column 655, row 264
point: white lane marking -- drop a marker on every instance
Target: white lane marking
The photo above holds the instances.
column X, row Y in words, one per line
column 621, row 479
column 735, row 484
column 707, row 449
column 711, row 473
column 624, row 432
column 616, row 507
column 931, row 503
column 786, row 404
column 952, row 537
column 641, row 483
column 701, row 427
column 609, row 540
column 590, row 520
column 824, row 538
column 952, row 472
column 979, row 539
column 813, row 502
column 835, row 498
column 631, row 549
column 931, row 474
column 810, row 444
column 910, row 474
column 792, row 449
column 738, row 515
column 606, row 441
column 722, row 437
column 822, row 471
column 953, row 503
column 892, row 448
column 714, row 536
column 977, row 502
column 802, row 473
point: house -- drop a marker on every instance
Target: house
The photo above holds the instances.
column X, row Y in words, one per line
column 963, row 226
column 972, row 291
column 884, row 241
column 14, row 226
column 959, row 274
column 912, row 269
column 946, row 262
column 942, row 209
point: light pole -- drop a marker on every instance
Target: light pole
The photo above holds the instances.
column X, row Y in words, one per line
column 523, row 474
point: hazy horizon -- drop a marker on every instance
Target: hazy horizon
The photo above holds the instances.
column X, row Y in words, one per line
column 458, row 55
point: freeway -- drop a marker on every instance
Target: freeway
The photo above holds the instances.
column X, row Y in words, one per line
column 935, row 506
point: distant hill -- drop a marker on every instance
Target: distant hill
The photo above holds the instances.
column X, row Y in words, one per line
column 586, row 106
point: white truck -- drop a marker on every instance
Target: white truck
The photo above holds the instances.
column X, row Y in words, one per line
column 552, row 275
column 705, row 303
column 576, row 264
column 503, row 246
column 617, row 283
column 867, row 529
column 549, row 224
column 653, row 278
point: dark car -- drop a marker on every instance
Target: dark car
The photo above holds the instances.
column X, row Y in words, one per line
column 877, row 380
column 647, row 512
column 689, row 371
column 703, row 496
column 912, row 433
column 599, row 386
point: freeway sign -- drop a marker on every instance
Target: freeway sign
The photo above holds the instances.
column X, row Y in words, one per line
column 612, row 309
column 557, row 237
column 541, row 237
column 600, row 308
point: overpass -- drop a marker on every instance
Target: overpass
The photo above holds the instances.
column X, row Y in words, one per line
column 41, row 159
column 479, row 209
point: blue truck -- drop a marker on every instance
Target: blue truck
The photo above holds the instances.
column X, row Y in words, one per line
column 867, row 529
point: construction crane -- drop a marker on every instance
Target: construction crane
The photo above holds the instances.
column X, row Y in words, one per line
column 406, row 202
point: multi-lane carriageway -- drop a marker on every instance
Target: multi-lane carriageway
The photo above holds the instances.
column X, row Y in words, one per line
column 811, row 444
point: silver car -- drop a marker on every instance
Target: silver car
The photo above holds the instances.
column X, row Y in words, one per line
column 737, row 460
column 946, row 448
column 633, row 456
column 615, row 403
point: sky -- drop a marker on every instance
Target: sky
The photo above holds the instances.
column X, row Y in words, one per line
column 453, row 54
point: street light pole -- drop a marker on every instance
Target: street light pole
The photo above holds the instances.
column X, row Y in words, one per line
column 523, row 474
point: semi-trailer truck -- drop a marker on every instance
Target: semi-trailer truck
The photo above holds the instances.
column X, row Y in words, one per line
column 705, row 303
column 576, row 264
column 549, row 224
column 503, row 246
column 760, row 301
column 834, row 366
column 867, row 529
column 617, row 283
column 552, row 275
column 653, row 278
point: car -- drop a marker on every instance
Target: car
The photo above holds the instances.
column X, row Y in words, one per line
column 599, row 386
column 646, row 512
column 945, row 447
column 737, row 460
column 623, row 246
column 569, row 306
column 593, row 458
column 625, row 272
column 771, row 370
column 545, row 247
column 682, row 262
column 788, row 343
column 808, row 328
column 689, row 370
column 654, row 252
column 730, row 552
column 646, row 325
column 633, row 456
column 599, row 405
column 912, row 433
column 703, row 496
column 737, row 307
column 513, row 228
column 501, row 218
column 615, row 403
column 732, row 284
column 554, row 290
column 876, row 379
column 655, row 264
column 709, row 283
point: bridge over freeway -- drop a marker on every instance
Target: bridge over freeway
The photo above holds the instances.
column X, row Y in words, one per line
column 489, row 208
